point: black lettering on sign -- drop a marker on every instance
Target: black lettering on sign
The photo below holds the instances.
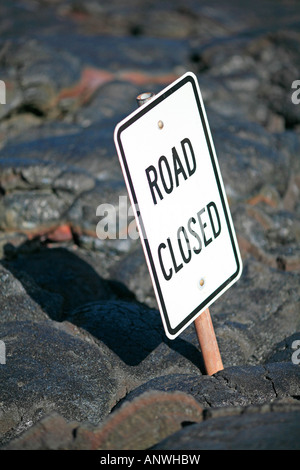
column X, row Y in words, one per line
column 203, row 225
column 191, row 169
column 166, row 276
column 192, row 220
column 153, row 182
column 186, row 258
column 163, row 179
column 178, row 167
column 209, row 207
column 176, row 267
column 164, row 168
column 179, row 251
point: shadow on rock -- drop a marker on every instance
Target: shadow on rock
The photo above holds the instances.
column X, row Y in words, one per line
column 131, row 329
column 68, row 288
column 58, row 279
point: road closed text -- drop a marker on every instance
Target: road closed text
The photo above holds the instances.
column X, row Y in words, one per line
column 200, row 229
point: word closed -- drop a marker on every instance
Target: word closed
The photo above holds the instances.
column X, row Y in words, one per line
column 190, row 240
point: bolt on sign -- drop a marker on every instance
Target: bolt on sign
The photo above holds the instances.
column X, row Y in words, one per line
column 175, row 186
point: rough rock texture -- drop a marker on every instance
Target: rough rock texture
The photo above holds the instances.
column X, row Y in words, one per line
column 137, row 426
column 240, row 386
column 257, row 428
column 59, row 371
column 86, row 363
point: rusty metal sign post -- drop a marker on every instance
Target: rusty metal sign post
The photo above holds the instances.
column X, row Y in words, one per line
column 176, row 190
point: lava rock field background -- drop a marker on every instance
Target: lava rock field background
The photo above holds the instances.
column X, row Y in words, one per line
column 88, row 365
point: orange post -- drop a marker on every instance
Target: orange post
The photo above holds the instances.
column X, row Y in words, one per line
column 208, row 343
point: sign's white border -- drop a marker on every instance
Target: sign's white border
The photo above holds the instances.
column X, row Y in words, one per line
column 120, row 128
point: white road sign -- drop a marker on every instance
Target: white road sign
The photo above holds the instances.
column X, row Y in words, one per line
column 176, row 190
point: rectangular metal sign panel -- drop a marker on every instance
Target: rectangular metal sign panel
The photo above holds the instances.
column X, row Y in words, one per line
column 176, row 190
